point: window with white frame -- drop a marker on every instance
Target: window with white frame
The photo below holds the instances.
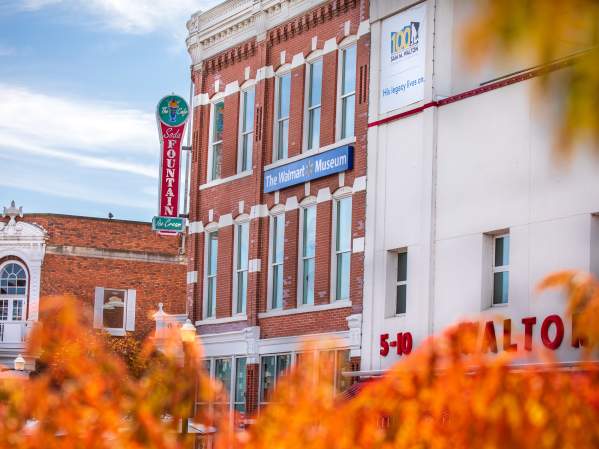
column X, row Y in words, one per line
column 216, row 140
column 282, row 102
column 401, row 283
column 231, row 373
column 307, row 253
column 501, row 269
column 343, row 235
column 13, row 292
column 273, row 366
column 314, row 95
column 246, row 138
column 211, row 269
column 240, row 275
column 347, row 92
column 114, row 310
column 277, row 250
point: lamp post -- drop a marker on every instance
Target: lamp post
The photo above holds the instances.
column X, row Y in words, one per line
column 188, row 336
column 19, row 363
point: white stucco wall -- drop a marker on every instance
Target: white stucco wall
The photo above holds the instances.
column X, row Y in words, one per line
column 440, row 180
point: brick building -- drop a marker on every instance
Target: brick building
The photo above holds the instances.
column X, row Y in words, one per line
column 120, row 269
column 277, row 186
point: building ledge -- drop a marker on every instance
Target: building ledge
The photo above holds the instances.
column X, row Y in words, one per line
column 229, row 319
column 220, row 181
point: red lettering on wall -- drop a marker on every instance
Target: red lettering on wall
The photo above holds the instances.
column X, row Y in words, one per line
column 528, row 322
column 489, row 338
column 507, row 337
column 578, row 339
column 559, row 331
column 384, row 345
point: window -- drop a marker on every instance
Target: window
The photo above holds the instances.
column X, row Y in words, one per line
column 401, row 282
column 216, row 141
column 271, row 368
column 211, row 268
column 13, row 291
column 314, row 99
column 113, row 316
column 283, row 98
column 501, row 269
column 343, row 220
column 240, row 276
column 114, row 310
column 230, row 372
column 13, row 280
column 348, row 91
column 276, row 260
column 247, row 130
column 308, row 253
column 240, row 384
column 338, row 361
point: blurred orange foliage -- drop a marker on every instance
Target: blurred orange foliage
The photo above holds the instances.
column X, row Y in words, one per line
column 446, row 394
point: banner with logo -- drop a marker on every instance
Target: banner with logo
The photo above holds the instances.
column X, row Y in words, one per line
column 172, row 113
column 403, row 59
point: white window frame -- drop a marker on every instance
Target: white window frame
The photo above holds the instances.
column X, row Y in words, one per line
column 305, row 204
column 232, row 382
column 247, row 87
column 283, row 71
column 11, row 298
column 294, row 358
column 218, row 98
column 343, row 192
column 314, row 57
column 499, row 269
column 209, row 230
column 239, row 221
column 350, row 41
column 277, row 211
column 398, row 283
column 128, row 312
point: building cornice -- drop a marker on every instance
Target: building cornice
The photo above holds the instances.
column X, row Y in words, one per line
column 235, row 22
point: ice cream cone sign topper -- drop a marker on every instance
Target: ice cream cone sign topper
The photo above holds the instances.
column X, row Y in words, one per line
column 171, row 114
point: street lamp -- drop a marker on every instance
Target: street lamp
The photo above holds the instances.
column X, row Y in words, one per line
column 188, row 332
column 188, row 336
column 19, row 363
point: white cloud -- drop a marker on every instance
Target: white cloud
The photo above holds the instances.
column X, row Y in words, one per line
column 74, row 124
column 94, row 135
column 133, row 16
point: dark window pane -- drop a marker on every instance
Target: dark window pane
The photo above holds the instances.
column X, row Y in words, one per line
column 267, row 378
column 240, row 379
column 219, row 110
column 500, row 287
column 222, row 373
column 400, row 305
column 502, row 251
column 402, row 267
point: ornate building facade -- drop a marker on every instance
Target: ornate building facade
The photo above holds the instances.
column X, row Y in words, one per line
column 277, row 187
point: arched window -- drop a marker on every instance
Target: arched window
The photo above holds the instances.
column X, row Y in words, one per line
column 13, row 280
column 13, row 291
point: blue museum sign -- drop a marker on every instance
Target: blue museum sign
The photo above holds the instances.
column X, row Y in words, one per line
column 323, row 164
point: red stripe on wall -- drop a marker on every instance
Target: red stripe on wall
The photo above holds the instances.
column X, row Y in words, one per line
column 479, row 90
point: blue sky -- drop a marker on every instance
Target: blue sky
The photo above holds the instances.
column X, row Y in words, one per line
column 79, row 82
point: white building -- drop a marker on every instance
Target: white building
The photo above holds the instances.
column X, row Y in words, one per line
column 464, row 190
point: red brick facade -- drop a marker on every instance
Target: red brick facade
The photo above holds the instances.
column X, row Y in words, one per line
column 217, row 204
column 83, row 253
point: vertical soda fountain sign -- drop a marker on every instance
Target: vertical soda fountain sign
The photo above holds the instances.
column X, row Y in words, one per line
column 171, row 114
